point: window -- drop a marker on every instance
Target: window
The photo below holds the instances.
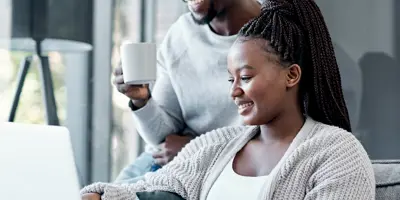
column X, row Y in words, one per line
column 30, row 108
column 124, row 136
column 127, row 26
column 167, row 13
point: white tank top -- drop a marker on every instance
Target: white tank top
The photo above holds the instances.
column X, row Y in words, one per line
column 232, row 186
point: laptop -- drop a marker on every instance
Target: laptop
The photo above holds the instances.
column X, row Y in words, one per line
column 37, row 163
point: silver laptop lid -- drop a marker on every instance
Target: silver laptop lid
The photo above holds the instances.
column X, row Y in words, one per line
column 36, row 162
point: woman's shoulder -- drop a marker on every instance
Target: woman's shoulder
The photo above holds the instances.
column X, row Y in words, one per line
column 333, row 142
column 332, row 134
column 336, row 154
column 224, row 135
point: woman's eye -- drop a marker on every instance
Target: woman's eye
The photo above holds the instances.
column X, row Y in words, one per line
column 245, row 78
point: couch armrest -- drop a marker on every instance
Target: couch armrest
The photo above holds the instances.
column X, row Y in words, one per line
column 387, row 176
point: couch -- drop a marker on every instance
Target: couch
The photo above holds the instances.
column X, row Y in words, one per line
column 387, row 175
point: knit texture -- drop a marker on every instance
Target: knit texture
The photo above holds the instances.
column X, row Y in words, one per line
column 325, row 162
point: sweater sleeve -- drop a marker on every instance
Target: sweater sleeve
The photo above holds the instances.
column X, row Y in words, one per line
column 162, row 115
column 182, row 176
column 346, row 174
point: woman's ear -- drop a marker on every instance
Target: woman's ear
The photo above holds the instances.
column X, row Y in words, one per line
column 293, row 75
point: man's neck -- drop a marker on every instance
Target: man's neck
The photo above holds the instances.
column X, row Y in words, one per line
column 234, row 17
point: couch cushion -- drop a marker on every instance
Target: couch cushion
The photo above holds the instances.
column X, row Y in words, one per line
column 387, row 175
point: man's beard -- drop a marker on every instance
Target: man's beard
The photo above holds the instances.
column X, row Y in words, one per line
column 211, row 14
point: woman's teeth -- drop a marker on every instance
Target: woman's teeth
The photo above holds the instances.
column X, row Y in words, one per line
column 242, row 106
column 195, row 1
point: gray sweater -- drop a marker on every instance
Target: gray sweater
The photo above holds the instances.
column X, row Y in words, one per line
column 191, row 93
column 322, row 163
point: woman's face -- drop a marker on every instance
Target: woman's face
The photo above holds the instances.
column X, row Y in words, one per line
column 260, row 84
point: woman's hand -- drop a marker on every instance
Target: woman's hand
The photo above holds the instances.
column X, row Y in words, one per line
column 91, row 196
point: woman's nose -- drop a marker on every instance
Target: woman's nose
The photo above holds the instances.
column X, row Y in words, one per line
column 236, row 91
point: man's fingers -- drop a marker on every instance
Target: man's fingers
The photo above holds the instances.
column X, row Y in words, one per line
column 171, row 137
column 118, row 80
column 123, row 88
column 140, row 86
column 137, row 93
column 132, row 92
column 118, row 71
column 157, row 155
column 160, row 161
column 162, row 146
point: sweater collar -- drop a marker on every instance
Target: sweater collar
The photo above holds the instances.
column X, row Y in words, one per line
column 301, row 136
column 238, row 143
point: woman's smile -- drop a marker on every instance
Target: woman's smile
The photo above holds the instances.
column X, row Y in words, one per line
column 244, row 107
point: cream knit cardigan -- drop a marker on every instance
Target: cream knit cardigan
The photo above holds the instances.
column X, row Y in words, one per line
column 323, row 162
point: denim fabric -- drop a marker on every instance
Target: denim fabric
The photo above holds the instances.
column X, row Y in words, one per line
column 135, row 171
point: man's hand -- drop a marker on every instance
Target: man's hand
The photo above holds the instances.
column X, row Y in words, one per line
column 91, row 196
column 139, row 94
column 170, row 148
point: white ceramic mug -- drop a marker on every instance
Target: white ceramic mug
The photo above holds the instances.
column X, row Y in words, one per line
column 139, row 62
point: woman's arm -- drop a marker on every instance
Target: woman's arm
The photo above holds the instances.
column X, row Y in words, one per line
column 182, row 176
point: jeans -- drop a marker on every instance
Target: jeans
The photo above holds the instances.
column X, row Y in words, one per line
column 135, row 171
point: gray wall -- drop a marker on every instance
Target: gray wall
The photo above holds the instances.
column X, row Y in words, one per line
column 364, row 33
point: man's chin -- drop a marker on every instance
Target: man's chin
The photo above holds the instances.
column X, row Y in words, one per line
column 211, row 14
column 202, row 21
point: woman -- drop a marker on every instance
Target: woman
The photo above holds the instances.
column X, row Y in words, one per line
column 298, row 145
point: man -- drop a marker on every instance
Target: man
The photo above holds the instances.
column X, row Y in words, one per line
column 191, row 93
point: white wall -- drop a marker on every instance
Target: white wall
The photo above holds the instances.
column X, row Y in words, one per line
column 5, row 16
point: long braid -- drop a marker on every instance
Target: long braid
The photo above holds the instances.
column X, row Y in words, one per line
column 297, row 32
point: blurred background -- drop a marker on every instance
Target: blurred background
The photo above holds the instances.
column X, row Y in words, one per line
column 88, row 33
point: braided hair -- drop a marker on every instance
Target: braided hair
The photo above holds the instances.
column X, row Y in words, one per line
column 296, row 31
